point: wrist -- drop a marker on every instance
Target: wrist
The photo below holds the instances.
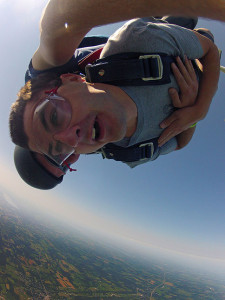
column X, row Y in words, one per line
column 200, row 112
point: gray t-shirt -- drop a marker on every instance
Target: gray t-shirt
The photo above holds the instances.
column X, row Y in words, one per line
column 153, row 102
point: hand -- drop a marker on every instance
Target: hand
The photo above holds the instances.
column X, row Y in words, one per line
column 177, row 122
column 186, row 116
column 187, row 82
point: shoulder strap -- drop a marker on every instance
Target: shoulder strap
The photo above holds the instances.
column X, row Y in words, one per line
column 131, row 69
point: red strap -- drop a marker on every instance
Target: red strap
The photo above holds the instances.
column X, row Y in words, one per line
column 54, row 91
column 71, row 170
column 89, row 59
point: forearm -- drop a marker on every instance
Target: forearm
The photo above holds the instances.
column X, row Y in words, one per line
column 98, row 12
column 80, row 16
column 184, row 138
column 210, row 64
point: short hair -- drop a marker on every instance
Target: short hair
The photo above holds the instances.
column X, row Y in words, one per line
column 29, row 92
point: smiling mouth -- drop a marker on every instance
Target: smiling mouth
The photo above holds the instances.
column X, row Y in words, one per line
column 95, row 131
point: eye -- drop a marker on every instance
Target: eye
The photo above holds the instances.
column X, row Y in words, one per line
column 54, row 118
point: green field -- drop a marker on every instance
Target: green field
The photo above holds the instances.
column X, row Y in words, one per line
column 38, row 261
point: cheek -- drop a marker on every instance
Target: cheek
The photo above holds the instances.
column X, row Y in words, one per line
column 80, row 109
column 87, row 149
column 72, row 159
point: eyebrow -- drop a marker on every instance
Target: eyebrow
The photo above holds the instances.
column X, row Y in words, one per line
column 43, row 121
column 50, row 149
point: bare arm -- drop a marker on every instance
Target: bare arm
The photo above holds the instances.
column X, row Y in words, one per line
column 65, row 22
column 184, row 138
column 210, row 65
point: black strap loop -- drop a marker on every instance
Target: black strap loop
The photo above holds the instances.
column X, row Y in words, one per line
column 136, row 152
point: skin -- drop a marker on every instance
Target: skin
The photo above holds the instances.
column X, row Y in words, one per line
column 81, row 16
column 189, row 88
column 115, row 111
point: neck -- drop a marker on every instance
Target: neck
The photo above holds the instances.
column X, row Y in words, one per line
column 114, row 93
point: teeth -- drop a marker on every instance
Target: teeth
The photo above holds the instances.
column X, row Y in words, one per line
column 93, row 133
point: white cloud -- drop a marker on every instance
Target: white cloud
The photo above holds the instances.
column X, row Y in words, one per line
column 9, row 200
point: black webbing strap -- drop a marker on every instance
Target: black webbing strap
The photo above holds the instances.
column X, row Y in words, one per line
column 133, row 153
column 131, row 69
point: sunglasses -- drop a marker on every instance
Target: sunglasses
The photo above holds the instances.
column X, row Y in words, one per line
column 52, row 116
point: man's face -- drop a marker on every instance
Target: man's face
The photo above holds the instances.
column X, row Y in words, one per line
column 97, row 118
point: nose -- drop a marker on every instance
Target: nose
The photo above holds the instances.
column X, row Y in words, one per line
column 69, row 136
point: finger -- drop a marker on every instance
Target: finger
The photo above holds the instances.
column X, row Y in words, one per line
column 167, row 134
column 175, row 97
column 187, row 70
column 183, row 70
column 190, row 68
column 179, row 78
column 168, row 121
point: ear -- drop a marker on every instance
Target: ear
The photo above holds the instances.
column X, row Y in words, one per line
column 71, row 77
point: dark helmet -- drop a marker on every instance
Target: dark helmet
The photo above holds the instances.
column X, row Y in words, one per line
column 32, row 172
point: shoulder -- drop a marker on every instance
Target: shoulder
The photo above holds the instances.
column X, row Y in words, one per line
column 150, row 35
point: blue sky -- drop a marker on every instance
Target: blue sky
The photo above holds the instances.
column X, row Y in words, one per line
column 176, row 202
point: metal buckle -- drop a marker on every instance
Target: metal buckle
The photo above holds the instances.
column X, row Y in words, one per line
column 104, row 153
column 160, row 66
column 152, row 148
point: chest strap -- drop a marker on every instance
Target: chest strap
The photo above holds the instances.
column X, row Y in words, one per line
column 136, row 152
column 131, row 69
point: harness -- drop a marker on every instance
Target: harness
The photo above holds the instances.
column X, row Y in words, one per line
column 127, row 69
